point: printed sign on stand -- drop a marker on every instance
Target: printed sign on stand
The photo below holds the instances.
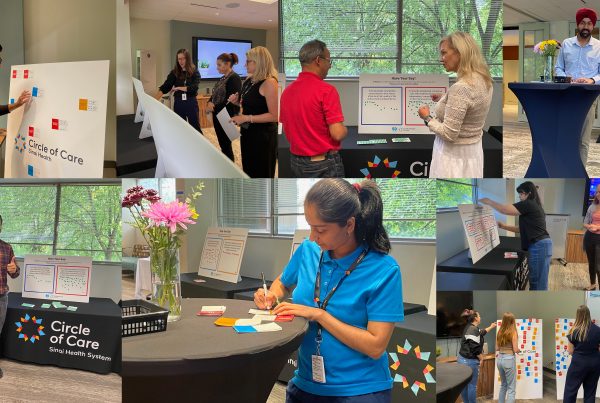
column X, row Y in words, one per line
column 222, row 253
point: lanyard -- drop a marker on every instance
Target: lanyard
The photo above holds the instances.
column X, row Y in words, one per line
column 317, row 294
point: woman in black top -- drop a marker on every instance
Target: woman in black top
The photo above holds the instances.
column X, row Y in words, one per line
column 228, row 85
column 584, row 345
column 471, row 351
column 532, row 228
column 183, row 80
column 23, row 99
column 258, row 121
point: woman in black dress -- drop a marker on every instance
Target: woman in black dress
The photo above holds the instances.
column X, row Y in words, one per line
column 229, row 84
column 258, row 120
column 183, row 81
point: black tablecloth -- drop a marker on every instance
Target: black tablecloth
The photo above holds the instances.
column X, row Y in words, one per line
column 493, row 264
column 213, row 288
column 451, row 379
column 195, row 360
column 412, row 159
column 58, row 347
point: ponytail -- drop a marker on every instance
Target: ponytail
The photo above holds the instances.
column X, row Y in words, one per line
column 469, row 315
column 337, row 201
column 230, row 58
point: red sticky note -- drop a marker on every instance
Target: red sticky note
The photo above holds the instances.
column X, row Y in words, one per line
column 26, row 74
column 31, row 131
column 14, row 75
column 54, row 124
column 284, row 318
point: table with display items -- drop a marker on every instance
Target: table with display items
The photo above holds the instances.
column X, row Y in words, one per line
column 556, row 114
column 404, row 160
column 451, row 380
column 88, row 338
column 491, row 272
column 195, row 360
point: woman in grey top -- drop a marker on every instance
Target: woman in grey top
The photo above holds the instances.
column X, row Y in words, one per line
column 460, row 113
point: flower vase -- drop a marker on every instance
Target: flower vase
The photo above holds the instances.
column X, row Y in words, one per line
column 166, row 282
column 548, row 68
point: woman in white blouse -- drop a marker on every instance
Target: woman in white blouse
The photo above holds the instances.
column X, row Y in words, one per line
column 460, row 113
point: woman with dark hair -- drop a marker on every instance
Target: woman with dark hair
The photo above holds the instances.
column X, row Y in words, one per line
column 22, row 100
column 506, row 347
column 584, row 346
column 344, row 282
column 229, row 84
column 471, row 351
column 183, row 80
column 591, row 240
column 532, row 228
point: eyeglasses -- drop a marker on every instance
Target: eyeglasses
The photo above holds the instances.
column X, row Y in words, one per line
column 330, row 61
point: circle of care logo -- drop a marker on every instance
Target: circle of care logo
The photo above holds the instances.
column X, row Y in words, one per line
column 376, row 162
column 20, row 144
column 30, row 328
column 421, row 357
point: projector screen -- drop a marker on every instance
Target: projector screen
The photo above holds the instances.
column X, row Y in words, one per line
column 206, row 51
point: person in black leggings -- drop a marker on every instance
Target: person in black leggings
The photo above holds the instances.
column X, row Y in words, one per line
column 183, row 81
column 591, row 240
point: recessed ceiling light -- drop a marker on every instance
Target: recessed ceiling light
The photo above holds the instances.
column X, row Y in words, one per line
column 265, row 1
column 232, row 5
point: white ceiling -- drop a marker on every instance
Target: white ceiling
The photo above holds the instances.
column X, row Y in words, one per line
column 248, row 14
column 521, row 11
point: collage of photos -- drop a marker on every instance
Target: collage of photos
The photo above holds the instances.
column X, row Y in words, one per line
column 403, row 197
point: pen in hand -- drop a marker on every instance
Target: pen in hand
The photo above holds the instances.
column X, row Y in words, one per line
column 262, row 274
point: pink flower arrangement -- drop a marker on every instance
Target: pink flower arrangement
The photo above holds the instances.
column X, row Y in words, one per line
column 169, row 215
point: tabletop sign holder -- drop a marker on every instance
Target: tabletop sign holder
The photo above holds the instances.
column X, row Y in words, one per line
column 299, row 236
column 61, row 278
column 222, row 253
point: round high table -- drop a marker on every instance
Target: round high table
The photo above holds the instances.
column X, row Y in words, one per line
column 196, row 361
column 556, row 115
column 451, row 380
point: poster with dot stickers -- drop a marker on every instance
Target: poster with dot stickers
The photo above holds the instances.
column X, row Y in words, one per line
column 529, row 363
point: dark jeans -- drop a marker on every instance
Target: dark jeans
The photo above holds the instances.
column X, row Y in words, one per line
column 189, row 111
column 591, row 243
column 331, row 167
column 297, row 395
column 584, row 370
column 224, row 141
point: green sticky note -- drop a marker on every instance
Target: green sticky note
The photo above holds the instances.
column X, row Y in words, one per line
column 401, row 140
column 71, row 308
column 28, row 305
column 45, row 305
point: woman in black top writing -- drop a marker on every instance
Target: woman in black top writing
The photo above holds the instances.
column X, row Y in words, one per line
column 532, row 228
column 584, row 345
column 183, row 81
column 258, row 120
column 227, row 85
column 471, row 351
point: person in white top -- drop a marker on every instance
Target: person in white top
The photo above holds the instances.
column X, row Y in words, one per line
column 460, row 113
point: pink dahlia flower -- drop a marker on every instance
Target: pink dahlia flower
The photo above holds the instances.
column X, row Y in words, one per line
column 169, row 214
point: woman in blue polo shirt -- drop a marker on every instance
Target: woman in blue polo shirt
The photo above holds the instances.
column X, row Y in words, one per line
column 344, row 282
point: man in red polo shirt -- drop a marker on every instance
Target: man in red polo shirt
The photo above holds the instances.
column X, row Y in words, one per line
column 312, row 117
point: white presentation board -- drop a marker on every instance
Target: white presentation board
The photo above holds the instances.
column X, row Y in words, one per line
column 481, row 229
column 300, row 235
column 388, row 103
column 592, row 300
column 530, row 364
column 62, row 278
column 60, row 133
column 222, row 253
column 557, row 226
column 141, row 115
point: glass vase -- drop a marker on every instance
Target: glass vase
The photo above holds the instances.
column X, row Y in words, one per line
column 548, row 69
column 166, row 282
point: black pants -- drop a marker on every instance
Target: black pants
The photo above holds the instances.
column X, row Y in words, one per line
column 584, row 370
column 224, row 141
column 296, row 395
column 591, row 243
column 259, row 150
column 189, row 111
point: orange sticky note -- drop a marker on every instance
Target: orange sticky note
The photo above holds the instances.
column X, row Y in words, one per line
column 229, row 322
column 83, row 104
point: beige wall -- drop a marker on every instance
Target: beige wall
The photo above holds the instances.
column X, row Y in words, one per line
column 511, row 74
column 124, row 62
column 74, row 30
column 152, row 35
column 273, row 44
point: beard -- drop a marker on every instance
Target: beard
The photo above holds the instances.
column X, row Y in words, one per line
column 585, row 33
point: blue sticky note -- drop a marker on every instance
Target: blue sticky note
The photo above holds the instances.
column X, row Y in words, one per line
column 564, row 367
column 244, row 329
column 535, row 380
column 565, row 327
column 533, row 343
column 557, row 354
column 30, row 170
column 522, row 327
column 12, row 101
column 34, row 92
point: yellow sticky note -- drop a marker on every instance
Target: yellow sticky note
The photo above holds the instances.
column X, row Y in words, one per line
column 225, row 321
column 83, row 104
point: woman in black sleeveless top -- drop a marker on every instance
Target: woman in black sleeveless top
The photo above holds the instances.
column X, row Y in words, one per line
column 258, row 120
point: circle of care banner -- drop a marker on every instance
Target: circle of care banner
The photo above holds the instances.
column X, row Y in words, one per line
column 60, row 133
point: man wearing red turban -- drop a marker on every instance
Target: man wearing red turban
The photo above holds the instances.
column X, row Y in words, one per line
column 579, row 58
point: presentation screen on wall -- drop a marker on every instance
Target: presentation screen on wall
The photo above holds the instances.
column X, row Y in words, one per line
column 481, row 229
column 206, row 51
column 60, row 133
column 299, row 236
column 388, row 103
column 62, row 278
column 530, row 364
column 222, row 253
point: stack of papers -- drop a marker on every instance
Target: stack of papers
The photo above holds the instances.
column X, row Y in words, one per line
column 268, row 327
column 248, row 325
column 212, row 310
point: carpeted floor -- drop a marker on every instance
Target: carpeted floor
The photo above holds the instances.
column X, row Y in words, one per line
column 573, row 276
column 548, row 397
column 517, row 147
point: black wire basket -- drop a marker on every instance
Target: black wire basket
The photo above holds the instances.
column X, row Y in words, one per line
column 142, row 317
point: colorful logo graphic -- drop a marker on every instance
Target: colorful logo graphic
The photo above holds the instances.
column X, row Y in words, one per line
column 398, row 377
column 376, row 162
column 20, row 143
column 33, row 323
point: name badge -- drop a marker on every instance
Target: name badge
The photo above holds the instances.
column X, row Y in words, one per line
column 318, row 369
column 184, row 97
